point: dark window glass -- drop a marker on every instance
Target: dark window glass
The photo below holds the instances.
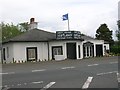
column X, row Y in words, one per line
column 79, row 50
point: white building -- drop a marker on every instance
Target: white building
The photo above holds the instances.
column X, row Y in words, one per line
column 40, row 45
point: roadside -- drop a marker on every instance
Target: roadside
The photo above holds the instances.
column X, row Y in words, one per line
column 85, row 73
column 51, row 65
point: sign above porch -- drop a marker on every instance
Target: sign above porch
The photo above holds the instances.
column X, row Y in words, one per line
column 68, row 35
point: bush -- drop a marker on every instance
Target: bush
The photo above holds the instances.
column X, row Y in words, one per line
column 115, row 49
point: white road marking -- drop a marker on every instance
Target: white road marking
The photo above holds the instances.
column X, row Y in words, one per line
column 12, row 85
column 8, row 73
column 37, row 82
column 38, row 70
column 113, row 62
column 18, row 84
column 3, row 73
column 87, row 83
column 67, row 67
column 48, row 85
column 118, row 77
column 93, row 64
column 107, row 73
column 6, row 86
column 25, row 83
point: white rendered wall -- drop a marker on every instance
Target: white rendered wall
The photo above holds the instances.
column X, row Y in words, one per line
column 57, row 43
column 20, row 50
column 81, row 50
column 63, row 44
column 107, row 46
column 10, row 55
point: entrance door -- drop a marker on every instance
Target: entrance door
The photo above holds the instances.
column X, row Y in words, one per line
column 99, row 50
column 4, row 55
column 31, row 53
column 71, row 50
column 88, row 50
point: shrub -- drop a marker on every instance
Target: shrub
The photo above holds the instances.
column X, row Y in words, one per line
column 115, row 49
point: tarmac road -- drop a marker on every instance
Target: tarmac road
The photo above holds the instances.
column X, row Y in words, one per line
column 86, row 73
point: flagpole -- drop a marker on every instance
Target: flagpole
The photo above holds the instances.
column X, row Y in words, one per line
column 65, row 17
column 68, row 25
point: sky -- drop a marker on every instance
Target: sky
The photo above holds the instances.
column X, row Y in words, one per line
column 84, row 15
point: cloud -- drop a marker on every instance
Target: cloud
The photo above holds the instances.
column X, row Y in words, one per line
column 84, row 15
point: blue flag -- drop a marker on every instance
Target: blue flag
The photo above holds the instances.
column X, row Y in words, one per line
column 65, row 17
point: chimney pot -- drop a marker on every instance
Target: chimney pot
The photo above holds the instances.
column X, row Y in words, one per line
column 32, row 20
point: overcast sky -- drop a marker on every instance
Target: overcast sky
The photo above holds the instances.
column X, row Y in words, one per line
column 84, row 15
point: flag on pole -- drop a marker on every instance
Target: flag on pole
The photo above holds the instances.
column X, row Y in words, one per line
column 65, row 17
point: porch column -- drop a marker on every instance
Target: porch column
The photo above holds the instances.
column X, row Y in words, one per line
column 89, row 50
column 94, row 50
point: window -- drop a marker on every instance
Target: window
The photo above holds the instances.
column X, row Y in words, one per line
column 31, row 53
column 87, row 50
column 79, row 51
column 105, row 48
column 4, row 55
column 90, row 50
column 56, row 50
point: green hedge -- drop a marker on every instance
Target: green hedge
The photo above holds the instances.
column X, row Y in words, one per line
column 115, row 49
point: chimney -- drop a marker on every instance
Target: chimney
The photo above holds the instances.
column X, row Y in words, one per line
column 32, row 20
column 33, row 24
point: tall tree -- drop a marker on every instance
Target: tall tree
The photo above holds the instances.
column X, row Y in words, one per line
column 104, row 33
column 118, row 35
column 24, row 26
column 9, row 30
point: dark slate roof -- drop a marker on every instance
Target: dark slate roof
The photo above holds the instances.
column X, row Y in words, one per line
column 87, row 37
column 38, row 35
column 33, row 36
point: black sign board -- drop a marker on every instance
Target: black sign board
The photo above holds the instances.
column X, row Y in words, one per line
column 68, row 35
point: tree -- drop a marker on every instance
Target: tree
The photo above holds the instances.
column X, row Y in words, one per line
column 9, row 30
column 24, row 26
column 118, row 34
column 103, row 33
column 118, row 31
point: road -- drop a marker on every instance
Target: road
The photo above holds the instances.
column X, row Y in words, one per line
column 86, row 73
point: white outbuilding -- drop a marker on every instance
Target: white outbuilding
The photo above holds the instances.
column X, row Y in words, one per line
column 40, row 45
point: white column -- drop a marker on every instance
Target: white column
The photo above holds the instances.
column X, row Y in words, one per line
column 81, row 51
column 103, row 49
column 65, row 50
column 77, row 50
column 94, row 50
column 89, row 50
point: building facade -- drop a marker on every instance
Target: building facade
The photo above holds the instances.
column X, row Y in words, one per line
column 40, row 45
